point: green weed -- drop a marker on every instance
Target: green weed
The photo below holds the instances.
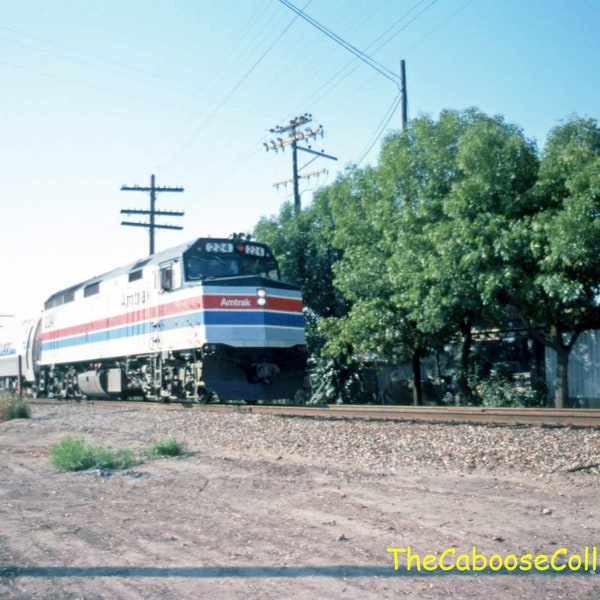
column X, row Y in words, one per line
column 73, row 454
column 170, row 447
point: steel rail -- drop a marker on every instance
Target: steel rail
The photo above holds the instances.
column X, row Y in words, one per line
column 472, row 414
column 551, row 417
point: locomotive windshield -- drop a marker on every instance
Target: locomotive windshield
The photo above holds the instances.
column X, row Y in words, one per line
column 209, row 259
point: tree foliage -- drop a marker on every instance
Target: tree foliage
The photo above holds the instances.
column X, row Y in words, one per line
column 433, row 229
column 461, row 221
column 559, row 244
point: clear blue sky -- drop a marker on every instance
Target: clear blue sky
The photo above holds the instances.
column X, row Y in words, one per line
column 100, row 94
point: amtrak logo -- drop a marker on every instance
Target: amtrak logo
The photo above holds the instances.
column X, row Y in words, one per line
column 235, row 303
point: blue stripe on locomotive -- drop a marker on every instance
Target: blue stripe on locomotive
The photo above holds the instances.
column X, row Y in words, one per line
column 209, row 318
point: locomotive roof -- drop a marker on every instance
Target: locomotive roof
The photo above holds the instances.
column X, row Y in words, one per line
column 153, row 259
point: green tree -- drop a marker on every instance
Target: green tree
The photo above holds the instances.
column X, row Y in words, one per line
column 557, row 248
column 364, row 213
column 461, row 183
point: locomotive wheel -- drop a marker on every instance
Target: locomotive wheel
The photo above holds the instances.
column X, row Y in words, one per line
column 204, row 396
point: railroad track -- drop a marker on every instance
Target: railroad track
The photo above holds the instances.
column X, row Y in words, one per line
column 551, row 417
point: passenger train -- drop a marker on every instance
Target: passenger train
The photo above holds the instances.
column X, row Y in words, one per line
column 209, row 318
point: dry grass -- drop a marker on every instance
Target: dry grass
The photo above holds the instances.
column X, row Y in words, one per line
column 12, row 407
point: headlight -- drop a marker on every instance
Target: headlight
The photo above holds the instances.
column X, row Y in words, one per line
column 209, row 349
column 261, row 297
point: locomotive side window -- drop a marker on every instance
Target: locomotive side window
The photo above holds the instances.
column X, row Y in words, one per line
column 166, row 278
column 90, row 290
column 69, row 296
column 60, row 298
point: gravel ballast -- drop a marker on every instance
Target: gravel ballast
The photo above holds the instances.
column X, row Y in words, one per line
column 349, row 444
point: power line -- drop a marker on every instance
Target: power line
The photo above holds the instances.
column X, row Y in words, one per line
column 348, row 69
column 245, row 40
column 399, row 81
column 336, row 38
column 92, row 86
column 438, row 27
column 122, row 69
column 404, row 27
column 232, row 91
column 382, row 126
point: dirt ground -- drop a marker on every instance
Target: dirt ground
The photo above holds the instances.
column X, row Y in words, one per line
column 224, row 522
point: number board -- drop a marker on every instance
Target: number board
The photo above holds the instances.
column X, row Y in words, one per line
column 254, row 250
column 224, row 247
column 228, row 248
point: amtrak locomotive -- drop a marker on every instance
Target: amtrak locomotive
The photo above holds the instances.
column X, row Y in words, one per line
column 210, row 317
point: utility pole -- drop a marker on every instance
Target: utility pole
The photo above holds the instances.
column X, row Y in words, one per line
column 404, row 94
column 295, row 136
column 152, row 213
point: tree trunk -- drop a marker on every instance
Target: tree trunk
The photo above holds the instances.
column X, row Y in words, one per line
column 417, row 389
column 463, row 392
column 538, row 368
column 561, row 390
column 561, row 386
